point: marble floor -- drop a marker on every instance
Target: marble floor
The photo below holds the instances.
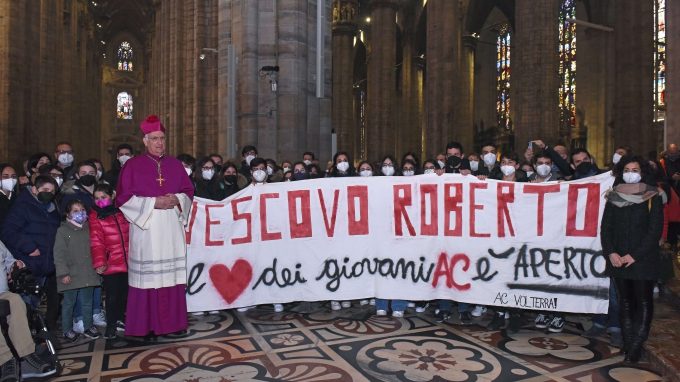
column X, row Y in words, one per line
column 349, row 345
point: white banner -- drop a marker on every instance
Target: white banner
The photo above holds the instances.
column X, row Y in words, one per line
column 518, row 245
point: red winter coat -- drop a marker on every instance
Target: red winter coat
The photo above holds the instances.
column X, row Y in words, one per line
column 109, row 241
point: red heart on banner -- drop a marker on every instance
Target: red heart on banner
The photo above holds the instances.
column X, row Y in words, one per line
column 231, row 282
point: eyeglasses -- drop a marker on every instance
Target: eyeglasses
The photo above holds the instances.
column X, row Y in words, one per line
column 156, row 139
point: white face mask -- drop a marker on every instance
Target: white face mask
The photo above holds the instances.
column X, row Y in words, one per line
column 529, row 173
column 286, row 169
column 508, row 170
column 270, row 171
column 188, row 170
column 207, row 174
column 632, row 177
column 489, row 159
column 428, row 171
column 388, row 170
column 543, row 170
column 99, row 174
column 616, row 158
column 409, row 173
column 366, row 173
column 9, row 184
column 307, row 162
column 342, row 166
column 59, row 181
column 66, row 159
column 441, row 164
column 474, row 165
column 123, row 158
column 259, row 175
column 249, row 158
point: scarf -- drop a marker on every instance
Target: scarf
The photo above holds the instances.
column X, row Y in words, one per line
column 624, row 195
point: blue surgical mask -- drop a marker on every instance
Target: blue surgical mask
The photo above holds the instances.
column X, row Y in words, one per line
column 79, row 217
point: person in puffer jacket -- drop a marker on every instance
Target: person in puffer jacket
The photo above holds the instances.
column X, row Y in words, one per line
column 109, row 244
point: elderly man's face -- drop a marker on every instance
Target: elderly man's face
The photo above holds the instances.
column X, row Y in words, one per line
column 155, row 143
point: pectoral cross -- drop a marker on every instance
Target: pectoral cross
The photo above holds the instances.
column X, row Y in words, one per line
column 160, row 180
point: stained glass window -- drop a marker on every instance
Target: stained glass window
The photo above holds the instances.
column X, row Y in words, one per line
column 124, row 106
column 125, row 56
column 503, row 77
column 567, row 68
column 659, row 60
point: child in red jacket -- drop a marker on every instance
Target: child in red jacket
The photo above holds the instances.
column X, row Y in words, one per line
column 109, row 243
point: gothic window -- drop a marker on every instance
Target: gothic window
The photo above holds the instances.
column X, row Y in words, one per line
column 659, row 60
column 124, row 106
column 567, row 68
column 503, row 77
column 125, row 56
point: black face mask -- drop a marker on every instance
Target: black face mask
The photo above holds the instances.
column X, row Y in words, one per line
column 584, row 167
column 673, row 157
column 88, row 180
column 45, row 196
column 230, row 179
column 314, row 176
column 452, row 163
column 299, row 176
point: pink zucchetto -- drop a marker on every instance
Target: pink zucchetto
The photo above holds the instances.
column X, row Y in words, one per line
column 152, row 124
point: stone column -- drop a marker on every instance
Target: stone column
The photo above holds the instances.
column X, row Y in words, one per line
column 633, row 82
column 380, row 134
column 672, row 72
column 344, row 30
column 465, row 96
column 443, row 62
column 535, row 77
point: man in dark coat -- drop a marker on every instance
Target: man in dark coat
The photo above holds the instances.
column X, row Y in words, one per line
column 29, row 233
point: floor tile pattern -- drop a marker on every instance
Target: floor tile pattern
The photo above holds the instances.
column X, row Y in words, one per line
column 349, row 345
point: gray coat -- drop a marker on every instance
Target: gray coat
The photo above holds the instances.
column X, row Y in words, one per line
column 72, row 257
column 6, row 263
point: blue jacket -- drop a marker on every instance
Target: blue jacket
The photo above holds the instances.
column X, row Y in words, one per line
column 32, row 225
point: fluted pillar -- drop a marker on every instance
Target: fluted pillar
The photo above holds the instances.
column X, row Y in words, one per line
column 672, row 72
column 633, row 82
column 344, row 30
column 535, row 76
column 380, row 134
column 443, row 63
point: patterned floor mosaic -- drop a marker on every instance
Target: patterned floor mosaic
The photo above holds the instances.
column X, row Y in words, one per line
column 349, row 345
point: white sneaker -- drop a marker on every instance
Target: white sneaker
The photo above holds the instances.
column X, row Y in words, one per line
column 363, row 302
column 346, row 304
column 421, row 309
column 196, row 313
column 381, row 312
column 478, row 311
column 244, row 309
column 398, row 313
column 214, row 312
column 411, row 304
column 335, row 305
column 371, row 302
column 79, row 327
column 278, row 308
column 99, row 319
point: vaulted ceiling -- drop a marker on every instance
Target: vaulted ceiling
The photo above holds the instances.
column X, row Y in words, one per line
column 115, row 16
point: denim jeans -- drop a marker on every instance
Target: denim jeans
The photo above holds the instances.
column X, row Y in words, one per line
column 447, row 305
column 610, row 320
column 397, row 305
column 96, row 304
column 84, row 297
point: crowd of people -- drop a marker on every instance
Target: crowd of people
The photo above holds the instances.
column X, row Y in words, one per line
column 71, row 223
